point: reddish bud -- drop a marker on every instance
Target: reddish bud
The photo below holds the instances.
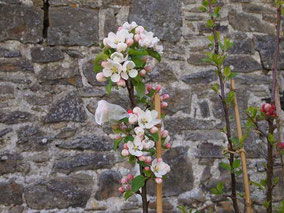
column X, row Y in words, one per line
column 121, row 189
column 130, row 111
column 130, row 176
column 148, row 68
column 168, row 145
column 164, row 104
column 158, row 88
column 158, row 180
column 147, row 168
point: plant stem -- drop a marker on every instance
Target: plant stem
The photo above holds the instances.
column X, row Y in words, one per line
column 130, row 89
column 226, row 114
column 269, row 169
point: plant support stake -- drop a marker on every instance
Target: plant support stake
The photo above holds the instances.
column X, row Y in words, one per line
column 242, row 151
column 157, row 102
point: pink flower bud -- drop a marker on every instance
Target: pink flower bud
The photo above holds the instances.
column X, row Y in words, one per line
column 121, row 83
column 158, row 180
column 148, row 68
column 132, row 119
column 144, row 59
column 124, row 180
column 148, row 87
column 164, row 104
column 147, row 168
column 139, row 29
column 154, row 129
column 117, row 137
column 137, row 37
column 142, row 158
column 168, row 145
column 121, row 189
column 165, row 96
column 158, row 88
column 127, row 187
column 125, row 152
column 136, row 110
column 142, row 73
column 103, row 64
column 130, row 176
column 148, row 160
column 100, row 77
column 159, row 160
column 125, row 146
column 165, row 133
column 119, row 28
column 129, row 42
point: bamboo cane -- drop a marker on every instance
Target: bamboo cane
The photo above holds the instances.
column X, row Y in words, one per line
column 242, row 151
column 159, row 202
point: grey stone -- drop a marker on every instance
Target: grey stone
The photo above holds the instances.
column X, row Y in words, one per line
column 59, row 192
column 254, row 8
column 21, row 23
column 181, row 178
column 204, row 109
column 108, row 184
column 11, row 193
column 252, row 79
column 74, row 53
column 209, row 150
column 12, row 162
column 163, row 17
column 92, row 142
column 73, row 26
column 203, row 135
column 32, row 139
column 243, row 64
column 6, row 90
column 203, row 77
column 195, row 59
column 76, row 3
column 15, row 79
column 203, row 28
column 16, row 65
column 162, row 72
column 265, row 44
column 89, row 92
column 5, row 131
column 109, row 25
column 14, row 117
column 242, row 44
column 248, row 23
column 87, row 161
column 191, row 198
column 53, row 74
column 66, row 133
column 16, row 209
column 38, row 100
column 46, row 54
column 70, row 108
column 106, row 3
column 180, row 100
column 206, row 174
column 88, row 70
column 260, row 165
column 6, row 53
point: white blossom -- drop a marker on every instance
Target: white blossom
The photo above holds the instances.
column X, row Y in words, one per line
column 148, row 119
column 159, row 168
column 112, row 69
column 135, row 147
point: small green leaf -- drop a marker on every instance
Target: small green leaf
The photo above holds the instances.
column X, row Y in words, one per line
column 138, row 61
column 131, row 159
column 202, row 9
column 97, row 62
column 263, row 182
column 275, row 181
column 260, row 187
column 109, row 86
column 140, row 89
column 215, row 88
column 137, row 183
column 236, row 164
column 128, row 194
column 225, row 166
column 220, row 187
column 214, row 191
column 116, row 143
column 205, row 3
column 140, row 51
column 227, row 71
column 128, row 138
column 210, row 23
column 266, row 204
column 154, row 54
column 155, row 136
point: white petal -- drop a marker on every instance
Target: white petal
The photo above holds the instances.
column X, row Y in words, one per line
column 121, row 47
column 107, row 72
column 154, row 114
column 115, row 77
column 133, row 73
column 124, row 75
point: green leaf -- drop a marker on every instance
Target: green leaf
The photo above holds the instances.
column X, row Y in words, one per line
column 128, row 138
column 137, row 183
column 140, row 89
column 227, row 71
column 109, row 86
column 202, row 9
column 230, row 98
column 128, row 194
column 215, row 88
column 275, row 181
column 131, row 159
column 116, row 143
column 138, row 61
column 232, row 75
column 236, row 164
column 266, row 204
column 155, row 136
column 97, row 62
column 257, row 184
column 263, row 182
column 154, row 54
column 220, row 187
column 205, row 3
column 214, row 191
column 141, row 51
column 225, row 166
column 210, row 23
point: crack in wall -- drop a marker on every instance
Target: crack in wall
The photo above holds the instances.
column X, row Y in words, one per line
column 45, row 18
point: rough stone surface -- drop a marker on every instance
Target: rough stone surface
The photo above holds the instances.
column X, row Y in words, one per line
column 6, row 53
column 14, row 117
column 12, row 162
column 59, row 192
column 88, row 161
column 73, row 26
column 109, row 181
column 11, row 193
column 21, row 23
column 208, row 150
column 199, row 78
column 163, row 17
column 243, row 64
column 96, row 143
column 67, row 109
column 45, row 55
column 16, row 65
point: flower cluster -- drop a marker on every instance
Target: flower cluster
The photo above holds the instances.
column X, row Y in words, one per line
column 126, row 183
column 125, row 53
column 269, row 110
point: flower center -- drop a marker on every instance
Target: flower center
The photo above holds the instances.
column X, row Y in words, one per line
column 144, row 121
column 114, row 69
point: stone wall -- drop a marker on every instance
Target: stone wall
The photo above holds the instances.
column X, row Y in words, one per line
column 55, row 158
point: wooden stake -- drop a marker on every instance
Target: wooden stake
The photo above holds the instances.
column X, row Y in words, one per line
column 159, row 201
column 242, row 151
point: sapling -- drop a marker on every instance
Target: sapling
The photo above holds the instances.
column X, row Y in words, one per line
column 123, row 63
